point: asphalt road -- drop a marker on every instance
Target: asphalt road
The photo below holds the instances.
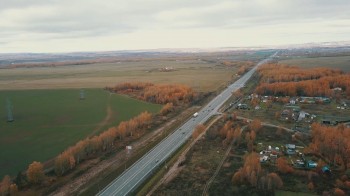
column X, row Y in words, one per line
column 141, row 170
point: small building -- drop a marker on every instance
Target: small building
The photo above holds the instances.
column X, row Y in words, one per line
column 242, row 106
column 290, row 149
column 264, row 158
column 299, row 163
column 325, row 169
column 311, row 164
column 302, row 115
column 292, row 101
column 285, row 113
column 337, row 89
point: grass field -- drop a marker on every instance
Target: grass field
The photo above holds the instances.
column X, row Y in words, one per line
column 340, row 62
column 201, row 73
column 48, row 121
column 193, row 73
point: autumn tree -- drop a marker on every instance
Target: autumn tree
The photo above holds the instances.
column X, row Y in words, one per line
column 274, row 181
column 250, row 138
column 255, row 125
column 157, row 93
column 13, row 189
column 225, row 129
column 277, row 79
column 234, row 116
column 198, row 130
column 5, row 185
column 339, row 192
column 105, row 141
column 310, row 186
column 283, row 166
column 35, row 173
column 250, row 172
column 332, row 143
column 167, row 108
column 237, row 134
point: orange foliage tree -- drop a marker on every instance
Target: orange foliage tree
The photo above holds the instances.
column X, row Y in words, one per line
column 5, row 185
column 279, row 79
column 157, row 93
column 13, row 189
column 71, row 157
column 35, row 173
column 250, row 172
column 339, row 192
column 331, row 143
column 283, row 166
column 167, row 108
column 255, row 125
column 198, row 130
column 226, row 128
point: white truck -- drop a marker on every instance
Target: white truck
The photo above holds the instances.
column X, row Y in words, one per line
column 195, row 114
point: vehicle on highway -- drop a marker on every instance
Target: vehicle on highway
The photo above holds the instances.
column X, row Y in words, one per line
column 129, row 181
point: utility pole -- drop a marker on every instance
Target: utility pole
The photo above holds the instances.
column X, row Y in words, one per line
column 82, row 94
column 9, row 111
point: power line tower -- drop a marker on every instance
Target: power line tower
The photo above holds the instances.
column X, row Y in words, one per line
column 9, row 111
column 82, row 94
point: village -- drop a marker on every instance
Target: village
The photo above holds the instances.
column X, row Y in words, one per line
column 299, row 111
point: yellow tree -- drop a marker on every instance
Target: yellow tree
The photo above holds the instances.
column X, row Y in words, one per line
column 166, row 108
column 13, row 189
column 5, row 185
column 35, row 173
column 250, row 172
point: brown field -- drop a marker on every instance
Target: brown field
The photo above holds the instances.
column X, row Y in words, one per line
column 339, row 62
column 201, row 75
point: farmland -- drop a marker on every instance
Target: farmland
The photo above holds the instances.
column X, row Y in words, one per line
column 336, row 62
column 48, row 121
column 194, row 71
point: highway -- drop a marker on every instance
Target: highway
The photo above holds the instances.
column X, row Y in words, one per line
column 141, row 170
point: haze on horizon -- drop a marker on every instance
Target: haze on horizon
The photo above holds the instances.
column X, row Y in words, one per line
column 78, row 25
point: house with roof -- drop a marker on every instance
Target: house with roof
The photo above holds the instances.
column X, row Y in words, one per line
column 290, row 149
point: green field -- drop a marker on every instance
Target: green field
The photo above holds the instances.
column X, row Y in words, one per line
column 339, row 62
column 48, row 121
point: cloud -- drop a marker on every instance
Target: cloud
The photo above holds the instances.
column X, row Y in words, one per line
column 29, row 25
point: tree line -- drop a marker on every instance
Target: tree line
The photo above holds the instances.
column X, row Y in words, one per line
column 156, row 93
column 82, row 150
column 332, row 143
column 76, row 154
column 284, row 80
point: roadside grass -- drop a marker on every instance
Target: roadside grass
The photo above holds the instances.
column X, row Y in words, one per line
column 161, row 171
column 93, row 187
column 199, row 166
column 48, row 121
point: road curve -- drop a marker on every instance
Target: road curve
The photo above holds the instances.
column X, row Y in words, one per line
column 141, row 170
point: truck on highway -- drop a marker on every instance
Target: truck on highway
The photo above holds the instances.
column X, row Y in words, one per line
column 195, row 114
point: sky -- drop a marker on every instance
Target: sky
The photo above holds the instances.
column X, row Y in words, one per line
column 106, row 25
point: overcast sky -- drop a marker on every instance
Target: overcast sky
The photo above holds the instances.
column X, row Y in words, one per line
column 101, row 25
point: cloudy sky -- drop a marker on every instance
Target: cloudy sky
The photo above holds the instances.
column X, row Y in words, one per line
column 101, row 25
